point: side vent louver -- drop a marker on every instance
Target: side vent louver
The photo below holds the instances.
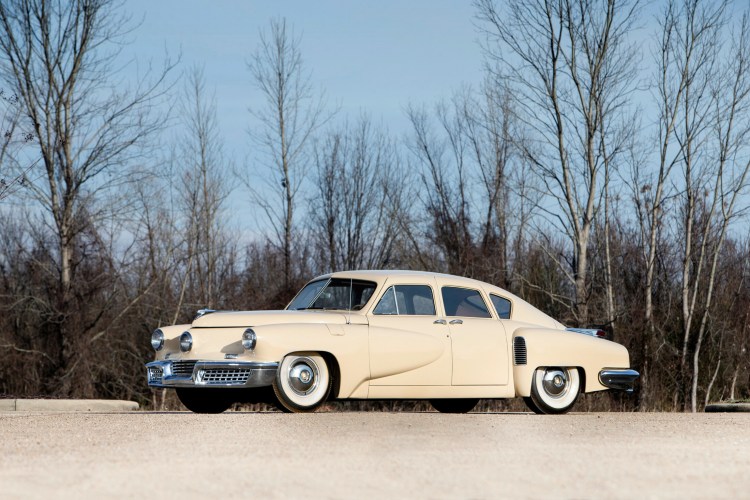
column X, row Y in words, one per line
column 519, row 351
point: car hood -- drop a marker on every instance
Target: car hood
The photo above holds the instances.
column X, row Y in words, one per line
column 225, row 319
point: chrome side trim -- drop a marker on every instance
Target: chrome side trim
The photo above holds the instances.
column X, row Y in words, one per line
column 204, row 374
column 618, row 379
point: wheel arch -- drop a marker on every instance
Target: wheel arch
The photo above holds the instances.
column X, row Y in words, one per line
column 582, row 375
column 334, row 368
column 335, row 373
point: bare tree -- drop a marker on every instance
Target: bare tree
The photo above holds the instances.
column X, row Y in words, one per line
column 58, row 58
column 12, row 140
column 492, row 137
column 203, row 191
column 441, row 154
column 359, row 197
column 701, row 91
column 330, row 158
column 696, row 116
column 685, row 43
column 571, row 67
column 289, row 114
column 10, row 116
column 473, row 192
column 715, row 180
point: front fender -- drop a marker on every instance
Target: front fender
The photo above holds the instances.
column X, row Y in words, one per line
column 171, row 340
column 567, row 349
column 348, row 344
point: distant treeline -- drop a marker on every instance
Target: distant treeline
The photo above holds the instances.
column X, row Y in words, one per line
column 600, row 171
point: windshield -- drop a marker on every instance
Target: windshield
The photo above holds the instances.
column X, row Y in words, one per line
column 338, row 293
column 305, row 297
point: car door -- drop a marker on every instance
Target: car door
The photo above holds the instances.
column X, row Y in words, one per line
column 478, row 343
column 409, row 346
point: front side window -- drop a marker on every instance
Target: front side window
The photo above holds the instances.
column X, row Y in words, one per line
column 335, row 294
column 501, row 305
column 464, row 302
column 412, row 300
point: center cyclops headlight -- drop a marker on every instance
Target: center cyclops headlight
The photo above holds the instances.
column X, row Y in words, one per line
column 186, row 342
column 157, row 340
column 249, row 339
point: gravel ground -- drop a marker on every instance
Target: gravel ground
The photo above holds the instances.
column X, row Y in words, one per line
column 398, row 455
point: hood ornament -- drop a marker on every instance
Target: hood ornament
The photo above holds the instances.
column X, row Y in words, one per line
column 203, row 312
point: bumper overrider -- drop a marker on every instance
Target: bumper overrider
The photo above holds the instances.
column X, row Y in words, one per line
column 618, row 379
column 195, row 373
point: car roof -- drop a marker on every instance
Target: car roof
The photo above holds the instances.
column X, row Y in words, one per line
column 380, row 274
column 523, row 311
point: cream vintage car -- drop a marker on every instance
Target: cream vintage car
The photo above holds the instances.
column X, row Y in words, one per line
column 386, row 335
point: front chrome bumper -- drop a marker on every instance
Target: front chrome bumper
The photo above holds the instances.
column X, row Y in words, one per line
column 618, row 379
column 195, row 373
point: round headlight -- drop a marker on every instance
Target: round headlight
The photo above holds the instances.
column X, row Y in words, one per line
column 249, row 339
column 157, row 340
column 186, row 342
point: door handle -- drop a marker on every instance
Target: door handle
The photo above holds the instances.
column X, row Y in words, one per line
column 439, row 322
column 457, row 322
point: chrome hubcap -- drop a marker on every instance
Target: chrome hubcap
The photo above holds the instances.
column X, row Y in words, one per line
column 555, row 382
column 303, row 376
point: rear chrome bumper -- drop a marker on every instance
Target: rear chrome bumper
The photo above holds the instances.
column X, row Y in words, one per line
column 618, row 379
column 195, row 373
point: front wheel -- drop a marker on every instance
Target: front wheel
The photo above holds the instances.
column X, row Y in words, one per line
column 302, row 383
column 554, row 390
column 204, row 400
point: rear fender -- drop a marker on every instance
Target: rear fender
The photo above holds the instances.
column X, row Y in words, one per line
column 565, row 349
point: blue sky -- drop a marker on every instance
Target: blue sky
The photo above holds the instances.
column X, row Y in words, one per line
column 375, row 57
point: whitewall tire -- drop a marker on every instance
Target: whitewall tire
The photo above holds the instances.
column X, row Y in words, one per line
column 302, row 382
column 554, row 390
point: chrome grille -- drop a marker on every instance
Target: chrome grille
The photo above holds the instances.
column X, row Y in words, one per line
column 519, row 351
column 155, row 374
column 231, row 376
column 183, row 368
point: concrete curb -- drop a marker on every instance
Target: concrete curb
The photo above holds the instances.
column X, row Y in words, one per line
column 104, row 405
column 728, row 407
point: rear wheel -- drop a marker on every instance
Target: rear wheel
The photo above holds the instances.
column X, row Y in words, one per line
column 204, row 400
column 554, row 390
column 302, row 383
column 532, row 406
column 454, row 405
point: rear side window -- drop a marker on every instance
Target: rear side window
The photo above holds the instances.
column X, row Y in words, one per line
column 464, row 302
column 501, row 305
column 413, row 300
